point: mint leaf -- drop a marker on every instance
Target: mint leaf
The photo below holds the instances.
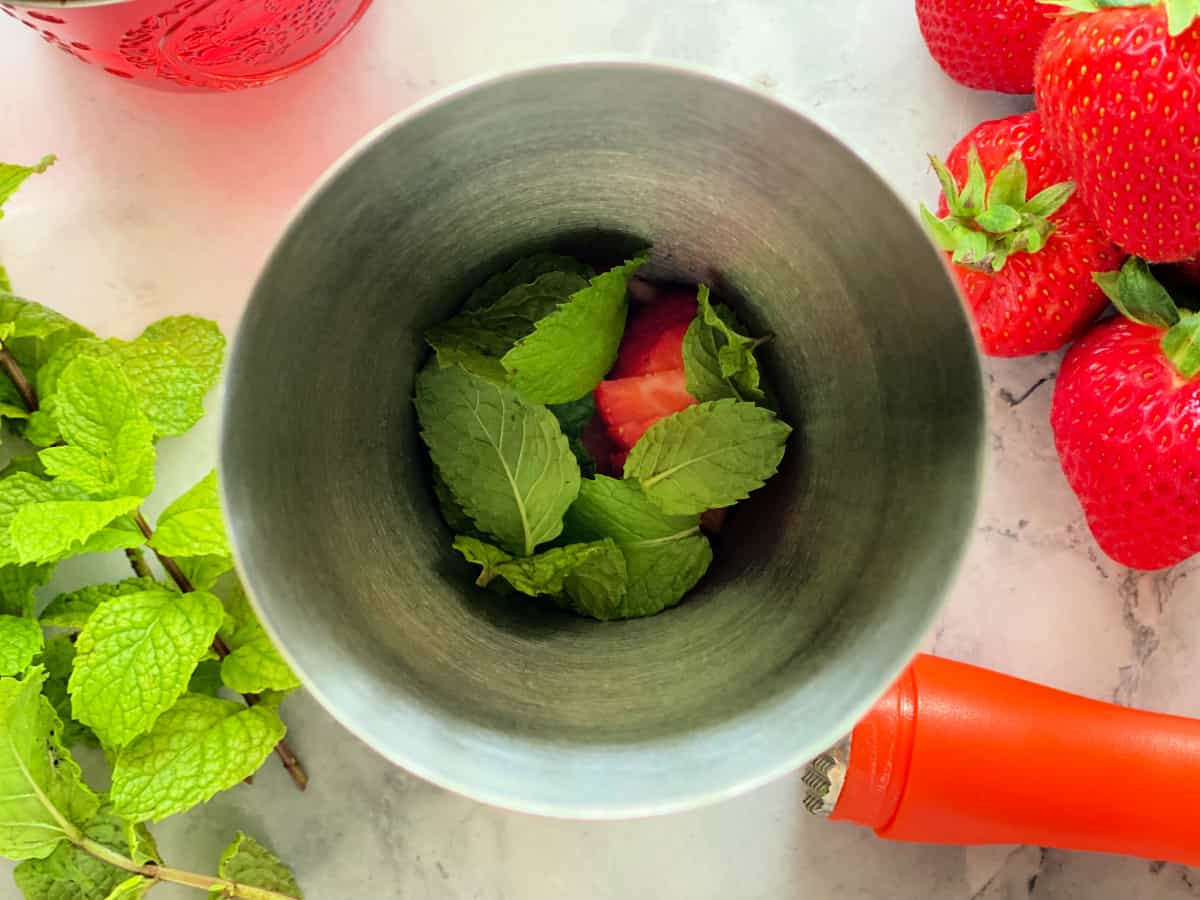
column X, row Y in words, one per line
column 246, row 861
column 708, row 456
column 573, row 419
column 74, row 608
column 5, row 283
column 572, row 348
column 37, row 332
column 546, row 573
column 203, row 571
column 135, row 656
column 17, row 587
column 169, row 368
column 77, row 466
column 254, row 665
column 41, row 521
column 476, row 340
column 540, row 575
column 170, row 389
column 197, row 748
column 49, row 373
column 505, row 459
column 522, row 272
column 665, row 555
column 42, row 794
column 96, row 409
column 451, row 509
column 597, row 587
column 200, row 342
column 480, row 553
column 29, row 465
column 41, row 429
column 58, row 658
column 20, row 642
column 126, row 470
column 718, row 359
column 206, row 679
column 132, row 888
column 193, row 525
column 702, row 364
column 48, row 531
column 13, row 176
column 119, row 534
column 143, row 848
column 71, row 874
column 19, row 490
column 273, row 700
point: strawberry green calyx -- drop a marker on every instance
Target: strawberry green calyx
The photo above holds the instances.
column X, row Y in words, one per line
column 1180, row 13
column 1139, row 297
column 1137, row 294
column 986, row 224
column 1181, row 344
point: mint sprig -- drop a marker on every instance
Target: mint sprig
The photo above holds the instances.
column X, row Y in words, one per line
column 134, row 667
column 11, row 178
column 718, row 358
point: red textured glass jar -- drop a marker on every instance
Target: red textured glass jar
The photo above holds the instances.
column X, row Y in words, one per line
column 220, row 45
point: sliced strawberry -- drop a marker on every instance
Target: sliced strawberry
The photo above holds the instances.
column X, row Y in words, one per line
column 653, row 340
column 624, row 401
column 625, row 436
column 653, row 353
column 617, row 463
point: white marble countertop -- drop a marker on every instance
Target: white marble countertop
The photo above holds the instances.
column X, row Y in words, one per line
column 167, row 204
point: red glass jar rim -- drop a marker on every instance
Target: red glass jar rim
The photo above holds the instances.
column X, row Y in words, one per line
column 63, row 4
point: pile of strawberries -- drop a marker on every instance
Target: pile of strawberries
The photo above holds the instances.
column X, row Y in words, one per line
column 1093, row 197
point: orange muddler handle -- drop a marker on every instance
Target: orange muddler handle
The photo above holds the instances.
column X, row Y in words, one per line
column 955, row 754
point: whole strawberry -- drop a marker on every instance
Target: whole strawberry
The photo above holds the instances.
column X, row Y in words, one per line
column 1126, row 420
column 1022, row 248
column 1119, row 90
column 989, row 45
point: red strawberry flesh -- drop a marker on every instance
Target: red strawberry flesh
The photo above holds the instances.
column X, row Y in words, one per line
column 653, row 340
column 650, row 353
column 624, row 401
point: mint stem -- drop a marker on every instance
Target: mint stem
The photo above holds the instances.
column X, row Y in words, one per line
column 12, row 368
column 283, row 750
column 168, row 564
column 155, row 872
column 137, row 561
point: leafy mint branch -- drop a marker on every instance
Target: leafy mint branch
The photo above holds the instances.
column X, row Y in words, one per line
column 222, row 560
column 140, row 669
